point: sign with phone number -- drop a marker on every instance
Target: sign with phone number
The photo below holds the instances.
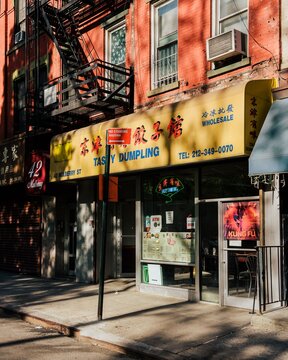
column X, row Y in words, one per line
column 223, row 149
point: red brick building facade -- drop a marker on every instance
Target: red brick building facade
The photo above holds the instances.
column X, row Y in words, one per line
column 68, row 65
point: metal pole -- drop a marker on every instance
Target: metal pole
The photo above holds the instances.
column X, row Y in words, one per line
column 104, row 231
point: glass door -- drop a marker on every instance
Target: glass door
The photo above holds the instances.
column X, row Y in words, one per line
column 241, row 231
column 72, row 239
column 128, row 250
column 209, row 260
column 126, row 228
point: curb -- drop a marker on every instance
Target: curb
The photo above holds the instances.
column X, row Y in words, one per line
column 117, row 343
column 100, row 338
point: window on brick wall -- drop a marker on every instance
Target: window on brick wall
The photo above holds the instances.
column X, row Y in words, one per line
column 231, row 15
column 20, row 13
column 116, row 54
column 42, row 80
column 19, row 105
column 164, row 43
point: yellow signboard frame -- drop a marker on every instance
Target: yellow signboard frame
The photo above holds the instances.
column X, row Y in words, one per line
column 218, row 125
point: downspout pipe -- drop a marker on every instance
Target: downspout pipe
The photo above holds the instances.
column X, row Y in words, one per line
column 6, row 113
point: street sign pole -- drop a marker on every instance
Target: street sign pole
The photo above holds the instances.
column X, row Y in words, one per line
column 104, row 230
column 114, row 136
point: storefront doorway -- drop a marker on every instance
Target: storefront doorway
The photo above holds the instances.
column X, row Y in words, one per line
column 126, row 229
column 229, row 233
column 72, row 238
column 126, row 235
column 209, row 254
column 240, row 235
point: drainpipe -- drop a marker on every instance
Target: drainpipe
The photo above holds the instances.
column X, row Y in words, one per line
column 6, row 113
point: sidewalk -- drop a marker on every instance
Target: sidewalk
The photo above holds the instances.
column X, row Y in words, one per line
column 153, row 326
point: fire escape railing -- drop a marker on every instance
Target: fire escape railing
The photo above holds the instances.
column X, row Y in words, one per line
column 113, row 82
column 89, row 85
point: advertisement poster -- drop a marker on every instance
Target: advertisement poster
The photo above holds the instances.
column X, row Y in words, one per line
column 169, row 217
column 156, row 224
column 241, row 220
column 190, row 223
column 168, row 246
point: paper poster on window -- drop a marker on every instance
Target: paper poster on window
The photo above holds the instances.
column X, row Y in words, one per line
column 190, row 223
column 147, row 223
column 156, row 224
column 169, row 217
column 241, row 220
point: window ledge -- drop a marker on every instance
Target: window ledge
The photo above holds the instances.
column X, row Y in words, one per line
column 15, row 47
column 228, row 68
column 162, row 89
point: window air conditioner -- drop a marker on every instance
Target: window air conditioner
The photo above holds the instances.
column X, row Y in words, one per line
column 19, row 37
column 226, row 45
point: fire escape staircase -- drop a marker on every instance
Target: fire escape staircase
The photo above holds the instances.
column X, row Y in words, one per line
column 89, row 86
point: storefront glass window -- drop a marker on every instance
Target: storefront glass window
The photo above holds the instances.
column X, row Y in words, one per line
column 168, row 237
column 226, row 180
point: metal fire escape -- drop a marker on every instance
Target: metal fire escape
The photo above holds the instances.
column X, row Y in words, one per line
column 90, row 89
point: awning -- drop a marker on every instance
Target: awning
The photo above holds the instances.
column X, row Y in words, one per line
column 270, row 153
column 218, row 125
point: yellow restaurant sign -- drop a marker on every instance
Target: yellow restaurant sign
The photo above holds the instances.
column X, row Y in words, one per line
column 220, row 124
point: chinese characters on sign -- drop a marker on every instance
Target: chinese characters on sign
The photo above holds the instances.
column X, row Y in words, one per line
column 169, row 186
column 253, row 120
column 222, row 114
column 122, row 136
column 12, row 162
column 216, row 125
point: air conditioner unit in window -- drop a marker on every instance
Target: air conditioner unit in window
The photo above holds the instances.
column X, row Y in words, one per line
column 226, row 45
column 19, row 37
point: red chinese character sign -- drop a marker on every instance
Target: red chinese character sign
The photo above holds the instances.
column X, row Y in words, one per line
column 37, row 174
column 241, row 220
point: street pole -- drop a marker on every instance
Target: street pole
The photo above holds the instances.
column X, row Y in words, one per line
column 104, row 230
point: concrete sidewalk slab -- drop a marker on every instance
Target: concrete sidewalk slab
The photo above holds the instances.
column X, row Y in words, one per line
column 155, row 326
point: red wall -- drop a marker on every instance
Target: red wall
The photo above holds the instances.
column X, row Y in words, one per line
column 194, row 29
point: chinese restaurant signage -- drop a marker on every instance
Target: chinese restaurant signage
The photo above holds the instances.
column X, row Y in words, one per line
column 36, row 177
column 12, row 161
column 220, row 124
column 241, row 220
column 169, row 187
